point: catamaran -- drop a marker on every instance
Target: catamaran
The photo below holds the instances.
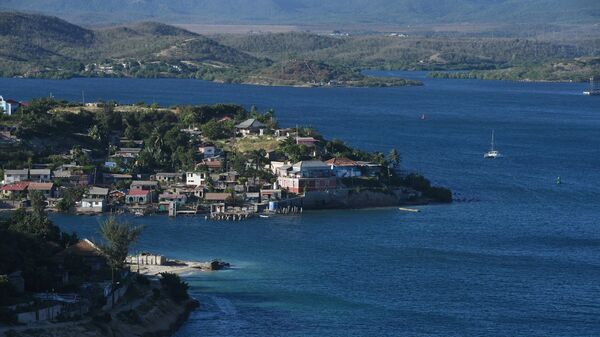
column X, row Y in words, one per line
column 492, row 153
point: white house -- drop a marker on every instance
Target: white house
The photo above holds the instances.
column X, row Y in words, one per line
column 89, row 205
column 40, row 175
column 13, row 176
column 195, row 178
column 9, row 106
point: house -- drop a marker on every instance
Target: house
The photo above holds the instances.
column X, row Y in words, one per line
column 251, row 127
column 97, row 193
column 146, row 185
column 211, row 164
column 370, row 169
column 252, row 197
column 306, row 141
column 285, row 133
column 168, row 178
column 40, row 175
column 8, row 106
column 217, row 197
column 73, row 176
column 179, row 199
column 126, row 155
column 47, row 189
column 207, row 150
column 13, row 176
column 344, row 167
column 141, row 197
column 307, row 176
column 91, row 205
column 87, row 251
column 15, row 191
column 116, row 197
column 114, row 178
column 270, row 195
column 195, row 178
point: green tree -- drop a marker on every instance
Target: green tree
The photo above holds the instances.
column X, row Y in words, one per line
column 394, row 158
column 118, row 236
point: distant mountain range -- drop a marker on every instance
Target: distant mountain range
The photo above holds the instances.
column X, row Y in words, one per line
column 317, row 12
column 35, row 45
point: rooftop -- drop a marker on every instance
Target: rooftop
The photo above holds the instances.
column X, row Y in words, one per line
column 41, row 186
column 343, row 161
column 138, row 193
column 250, row 123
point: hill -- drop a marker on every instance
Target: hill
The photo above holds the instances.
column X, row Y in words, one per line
column 311, row 12
column 41, row 46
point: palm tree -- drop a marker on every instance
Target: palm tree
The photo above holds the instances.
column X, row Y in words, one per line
column 117, row 236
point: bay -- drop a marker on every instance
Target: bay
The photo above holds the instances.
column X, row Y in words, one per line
column 521, row 258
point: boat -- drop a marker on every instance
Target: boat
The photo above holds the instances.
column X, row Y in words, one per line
column 594, row 90
column 413, row 210
column 263, row 216
column 423, row 117
column 492, row 153
column 138, row 213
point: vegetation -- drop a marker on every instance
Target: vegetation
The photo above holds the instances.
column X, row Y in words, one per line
column 174, row 286
column 577, row 70
column 118, row 236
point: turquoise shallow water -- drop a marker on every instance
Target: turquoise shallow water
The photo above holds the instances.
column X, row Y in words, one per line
column 522, row 259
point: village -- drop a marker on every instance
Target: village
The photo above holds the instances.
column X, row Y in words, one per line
column 286, row 170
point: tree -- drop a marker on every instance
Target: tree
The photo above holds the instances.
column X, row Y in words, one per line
column 394, row 158
column 118, row 236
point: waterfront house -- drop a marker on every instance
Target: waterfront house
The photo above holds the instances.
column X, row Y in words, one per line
column 195, row 178
column 217, row 197
column 179, row 199
column 97, row 193
column 92, row 205
column 251, row 127
column 40, row 175
column 307, row 176
column 344, row 167
column 270, row 194
column 13, row 176
column 370, row 169
column 116, row 197
column 47, row 189
column 168, row 178
column 141, row 197
column 15, row 191
column 207, row 150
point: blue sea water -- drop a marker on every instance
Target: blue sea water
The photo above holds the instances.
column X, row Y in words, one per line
column 521, row 259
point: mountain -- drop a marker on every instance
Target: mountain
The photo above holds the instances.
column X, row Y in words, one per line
column 317, row 12
column 44, row 46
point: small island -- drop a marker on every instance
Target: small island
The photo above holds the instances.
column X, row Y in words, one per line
column 222, row 161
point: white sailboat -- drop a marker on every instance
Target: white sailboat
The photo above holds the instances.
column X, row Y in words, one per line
column 492, row 153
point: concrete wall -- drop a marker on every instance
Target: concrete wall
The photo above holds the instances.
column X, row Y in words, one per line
column 45, row 314
column 353, row 198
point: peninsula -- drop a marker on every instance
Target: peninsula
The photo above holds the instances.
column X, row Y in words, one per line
column 221, row 160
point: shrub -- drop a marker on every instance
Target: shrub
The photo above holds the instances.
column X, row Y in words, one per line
column 174, row 286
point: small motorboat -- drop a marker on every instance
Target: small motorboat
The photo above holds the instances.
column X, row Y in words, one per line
column 263, row 216
column 412, row 210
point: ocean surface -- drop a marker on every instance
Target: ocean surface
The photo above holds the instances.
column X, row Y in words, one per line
column 520, row 258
